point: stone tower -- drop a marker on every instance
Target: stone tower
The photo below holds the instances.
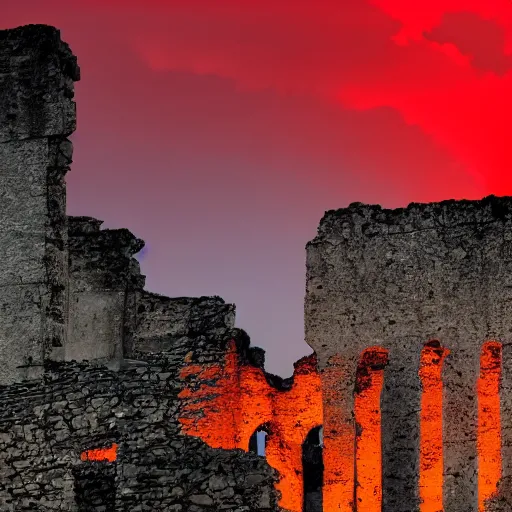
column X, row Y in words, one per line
column 37, row 114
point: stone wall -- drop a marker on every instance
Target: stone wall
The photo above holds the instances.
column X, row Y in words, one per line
column 46, row 426
column 37, row 114
column 225, row 404
column 397, row 279
column 160, row 323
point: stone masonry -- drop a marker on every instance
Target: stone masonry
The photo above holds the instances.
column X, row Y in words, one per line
column 37, row 114
column 92, row 362
column 426, row 278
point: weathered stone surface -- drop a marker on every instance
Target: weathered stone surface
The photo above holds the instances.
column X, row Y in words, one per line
column 37, row 71
column 161, row 322
column 102, row 274
column 37, row 113
column 45, row 426
column 226, row 405
column 397, row 279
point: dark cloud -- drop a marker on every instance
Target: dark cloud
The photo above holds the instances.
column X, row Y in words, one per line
column 481, row 39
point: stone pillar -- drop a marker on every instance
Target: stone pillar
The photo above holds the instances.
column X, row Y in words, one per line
column 505, row 490
column 37, row 114
column 401, row 397
column 397, row 279
column 460, row 418
column 500, row 305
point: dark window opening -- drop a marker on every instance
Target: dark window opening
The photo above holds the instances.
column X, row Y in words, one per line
column 313, row 468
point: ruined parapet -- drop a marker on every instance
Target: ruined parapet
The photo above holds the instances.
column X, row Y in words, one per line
column 37, row 114
column 161, row 324
column 102, row 277
column 48, row 431
column 396, row 280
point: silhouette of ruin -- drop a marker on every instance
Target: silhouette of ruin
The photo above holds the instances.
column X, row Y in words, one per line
column 114, row 398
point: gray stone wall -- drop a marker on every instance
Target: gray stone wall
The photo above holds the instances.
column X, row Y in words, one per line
column 37, row 114
column 45, row 426
column 397, row 279
column 112, row 317
column 161, row 323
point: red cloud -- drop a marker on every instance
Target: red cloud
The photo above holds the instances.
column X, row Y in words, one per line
column 443, row 65
column 481, row 40
column 424, row 60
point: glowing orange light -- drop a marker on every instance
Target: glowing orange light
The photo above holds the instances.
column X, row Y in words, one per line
column 295, row 412
column 211, row 401
column 286, row 458
column 225, row 404
column 369, row 383
column 100, row 454
column 489, row 422
column 431, row 427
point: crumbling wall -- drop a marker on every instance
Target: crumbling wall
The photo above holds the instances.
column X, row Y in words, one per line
column 45, row 427
column 225, row 404
column 37, row 114
column 159, row 323
column 399, row 279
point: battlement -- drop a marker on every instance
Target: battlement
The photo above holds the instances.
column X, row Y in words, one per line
column 372, row 220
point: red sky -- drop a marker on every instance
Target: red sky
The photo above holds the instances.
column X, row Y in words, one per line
column 220, row 131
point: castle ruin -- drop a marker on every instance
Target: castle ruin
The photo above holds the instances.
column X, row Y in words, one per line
column 114, row 398
column 429, row 286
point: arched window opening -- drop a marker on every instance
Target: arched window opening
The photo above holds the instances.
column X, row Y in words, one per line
column 258, row 441
column 313, row 470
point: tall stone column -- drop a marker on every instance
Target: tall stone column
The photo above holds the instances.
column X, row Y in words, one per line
column 400, row 403
column 37, row 115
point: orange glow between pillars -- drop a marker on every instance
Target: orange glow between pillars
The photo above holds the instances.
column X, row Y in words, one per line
column 286, row 458
column 225, row 404
column 489, row 422
column 100, row 454
column 369, row 383
column 431, row 427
